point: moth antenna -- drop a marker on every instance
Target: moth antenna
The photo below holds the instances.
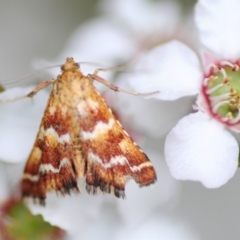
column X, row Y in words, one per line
column 95, row 64
column 45, row 68
column 123, row 66
column 113, row 69
column 30, row 74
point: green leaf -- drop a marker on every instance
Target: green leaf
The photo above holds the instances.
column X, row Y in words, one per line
column 1, row 88
column 21, row 225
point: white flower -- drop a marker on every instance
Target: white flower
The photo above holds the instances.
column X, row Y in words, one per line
column 160, row 226
column 19, row 123
column 199, row 147
column 144, row 18
column 8, row 182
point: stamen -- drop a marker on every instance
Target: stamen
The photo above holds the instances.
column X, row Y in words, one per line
column 217, row 105
column 233, row 101
column 211, row 66
column 226, row 81
column 227, row 63
column 205, row 81
column 210, row 80
column 218, row 98
column 222, row 70
column 233, row 92
column 211, row 90
column 236, row 119
column 234, row 67
column 229, row 115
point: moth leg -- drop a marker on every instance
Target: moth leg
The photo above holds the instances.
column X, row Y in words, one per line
column 39, row 87
column 115, row 88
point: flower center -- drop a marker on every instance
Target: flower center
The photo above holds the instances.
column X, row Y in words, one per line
column 221, row 89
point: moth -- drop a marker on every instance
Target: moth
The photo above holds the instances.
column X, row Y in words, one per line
column 79, row 136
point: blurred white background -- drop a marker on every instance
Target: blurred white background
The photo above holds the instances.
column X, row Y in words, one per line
column 37, row 29
column 31, row 30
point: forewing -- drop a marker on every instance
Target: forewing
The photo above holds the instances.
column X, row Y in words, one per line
column 51, row 163
column 112, row 156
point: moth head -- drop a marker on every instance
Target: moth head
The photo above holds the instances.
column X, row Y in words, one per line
column 70, row 64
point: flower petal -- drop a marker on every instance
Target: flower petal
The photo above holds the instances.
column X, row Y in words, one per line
column 173, row 69
column 218, row 23
column 157, row 15
column 19, row 123
column 10, row 175
column 64, row 212
column 165, row 190
column 157, row 224
column 200, row 149
column 90, row 43
column 131, row 111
